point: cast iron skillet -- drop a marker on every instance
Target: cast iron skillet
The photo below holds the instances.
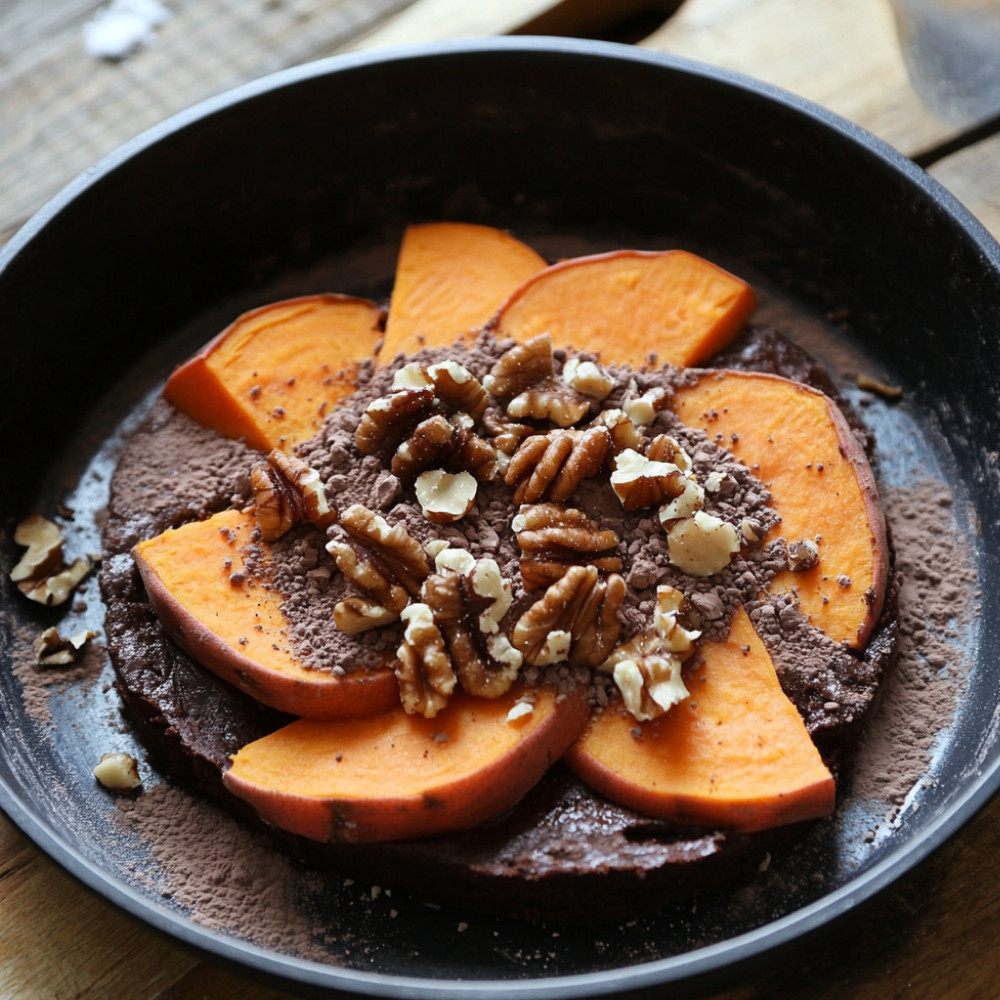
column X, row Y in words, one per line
column 314, row 172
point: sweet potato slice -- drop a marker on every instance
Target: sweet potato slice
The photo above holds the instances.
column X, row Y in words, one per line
column 239, row 631
column 450, row 279
column 400, row 776
column 801, row 447
column 735, row 754
column 632, row 305
column 270, row 376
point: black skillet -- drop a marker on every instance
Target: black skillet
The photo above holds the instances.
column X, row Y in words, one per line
column 305, row 180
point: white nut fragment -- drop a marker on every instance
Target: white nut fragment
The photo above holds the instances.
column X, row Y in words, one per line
column 42, row 574
column 643, row 409
column 520, row 710
column 702, row 544
column 640, row 482
column 588, row 378
column 486, row 581
column 410, row 376
column 686, row 503
column 554, row 649
column 52, row 650
column 647, row 669
column 118, row 772
column 445, row 496
column 802, row 555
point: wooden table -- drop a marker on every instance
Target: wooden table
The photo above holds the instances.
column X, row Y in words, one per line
column 932, row 935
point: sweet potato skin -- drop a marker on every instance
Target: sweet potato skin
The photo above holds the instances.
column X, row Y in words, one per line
column 451, row 277
column 272, row 374
column 400, row 776
column 801, row 447
column 238, row 632
column 638, row 307
column 735, row 754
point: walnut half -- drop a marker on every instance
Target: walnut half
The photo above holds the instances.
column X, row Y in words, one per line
column 576, row 620
column 386, row 562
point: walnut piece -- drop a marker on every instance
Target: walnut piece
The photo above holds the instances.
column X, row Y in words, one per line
column 588, row 378
column 624, row 433
column 640, row 481
column 576, row 620
column 702, row 544
column 466, row 599
column 553, row 538
column 449, row 443
column 647, row 668
column 802, row 555
column 518, row 369
column 424, row 671
column 643, row 409
column 286, row 492
column 42, row 574
column 458, row 388
column 118, row 772
column 552, row 465
column 390, row 419
column 52, row 650
column 445, row 497
column 386, row 563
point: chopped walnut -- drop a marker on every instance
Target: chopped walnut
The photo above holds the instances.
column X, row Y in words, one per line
column 639, row 481
column 468, row 598
column 624, row 433
column 386, row 563
column 647, row 668
column 552, row 465
column 643, row 409
column 445, row 443
column 42, row 574
column 390, row 419
column 424, row 671
column 702, row 544
column 588, row 378
column 118, row 772
column 553, row 538
column 802, row 555
column 576, row 620
column 518, row 369
column 445, row 496
column 503, row 433
column 524, row 380
column 458, row 388
column 286, row 492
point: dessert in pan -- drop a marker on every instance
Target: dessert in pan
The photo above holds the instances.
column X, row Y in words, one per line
column 544, row 582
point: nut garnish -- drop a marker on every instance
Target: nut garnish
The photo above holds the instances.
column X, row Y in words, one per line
column 288, row 491
column 446, row 496
column 448, row 443
column 643, row 409
column 639, row 481
column 42, row 574
column 467, row 599
column 552, row 465
column 588, row 378
column 553, row 538
column 623, row 431
column 424, row 672
column 702, row 544
column 576, row 620
column 458, row 388
column 647, row 669
column 524, row 379
column 386, row 563
column 518, row 369
column 389, row 419
column 802, row 555
column 52, row 650
column 118, row 772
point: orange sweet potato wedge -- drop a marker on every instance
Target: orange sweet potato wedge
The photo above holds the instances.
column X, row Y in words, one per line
column 800, row 446
column 734, row 754
column 270, row 376
column 400, row 776
column 450, row 279
column 239, row 631
column 631, row 306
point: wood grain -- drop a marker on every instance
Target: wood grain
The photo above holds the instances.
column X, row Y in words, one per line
column 930, row 937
